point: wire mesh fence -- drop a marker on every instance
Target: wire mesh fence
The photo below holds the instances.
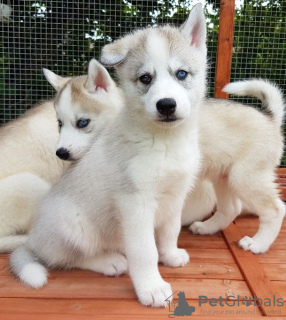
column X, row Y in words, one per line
column 260, row 41
column 259, row 49
column 64, row 35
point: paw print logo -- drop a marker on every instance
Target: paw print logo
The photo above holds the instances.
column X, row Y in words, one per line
column 247, row 301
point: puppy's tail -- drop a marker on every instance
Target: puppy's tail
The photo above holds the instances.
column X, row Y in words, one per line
column 269, row 94
column 26, row 266
column 10, row 243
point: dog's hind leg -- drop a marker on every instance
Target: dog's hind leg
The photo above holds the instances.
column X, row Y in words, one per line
column 228, row 208
column 199, row 203
column 261, row 196
column 20, row 195
column 270, row 221
column 110, row 264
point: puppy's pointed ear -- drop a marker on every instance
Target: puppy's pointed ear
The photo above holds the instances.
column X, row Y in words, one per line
column 114, row 53
column 98, row 78
column 194, row 28
column 56, row 81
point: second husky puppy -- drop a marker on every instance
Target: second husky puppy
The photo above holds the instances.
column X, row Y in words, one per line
column 28, row 162
column 134, row 179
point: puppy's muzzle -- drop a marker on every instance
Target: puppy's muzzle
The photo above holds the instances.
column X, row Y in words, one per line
column 63, row 153
column 167, row 107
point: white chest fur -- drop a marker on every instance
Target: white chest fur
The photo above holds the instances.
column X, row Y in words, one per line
column 161, row 163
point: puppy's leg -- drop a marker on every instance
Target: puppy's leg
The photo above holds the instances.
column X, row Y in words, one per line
column 138, row 211
column 228, row 208
column 199, row 203
column 167, row 236
column 110, row 264
column 270, row 221
column 259, row 193
column 20, row 195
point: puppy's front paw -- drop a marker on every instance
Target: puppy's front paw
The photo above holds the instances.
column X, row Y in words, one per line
column 155, row 294
column 115, row 265
column 175, row 258
column 200, row 228
column 248, row 243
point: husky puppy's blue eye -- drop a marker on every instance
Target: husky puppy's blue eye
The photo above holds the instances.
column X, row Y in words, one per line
column 181, row 74
column 82, row 123
column 145, row 79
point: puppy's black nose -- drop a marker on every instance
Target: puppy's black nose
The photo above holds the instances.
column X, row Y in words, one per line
column 63, row 153
column 166, row 106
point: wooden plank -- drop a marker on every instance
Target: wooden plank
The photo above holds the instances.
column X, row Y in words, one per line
column 196, row 256
column 211, row 256
column 272, row 256
column 282, row 191
column 115, row 307
column 252, row 222
column 224, row 48
column 275, row 272
column 195, row 270
column 202, row 269
column 281, row 286
column 189, row 240
column 281, row 179
column 252, row 229
column 259, row 284
column 118, row 288
column 75, row 317
column 109, row 317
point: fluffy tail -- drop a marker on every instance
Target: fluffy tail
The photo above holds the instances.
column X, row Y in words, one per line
column 25, row 266
column 10, row 243
column 269, row 94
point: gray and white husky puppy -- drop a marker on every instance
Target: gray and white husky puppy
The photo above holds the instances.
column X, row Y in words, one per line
column 125, row 196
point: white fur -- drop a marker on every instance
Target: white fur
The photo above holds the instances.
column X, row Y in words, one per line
column 268, row 93
column 11, row 243
column 28, row 168
column 34, row 274
column 133, row 180
column 199, row 203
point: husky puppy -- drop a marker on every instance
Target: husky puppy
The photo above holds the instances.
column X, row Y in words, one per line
column 241, row 148
column 131, row 184
column 28, row 162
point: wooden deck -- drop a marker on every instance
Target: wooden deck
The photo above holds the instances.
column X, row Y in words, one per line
column 217, row 268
